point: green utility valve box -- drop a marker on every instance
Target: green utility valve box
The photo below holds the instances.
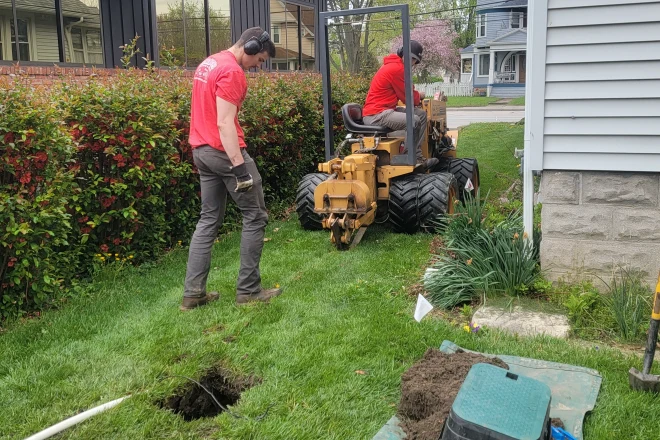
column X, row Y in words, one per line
column 495, row 404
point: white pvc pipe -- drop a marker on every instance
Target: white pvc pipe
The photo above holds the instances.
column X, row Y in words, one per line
column 49, row 432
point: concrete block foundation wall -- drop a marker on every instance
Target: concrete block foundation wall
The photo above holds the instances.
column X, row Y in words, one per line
column 594, row 222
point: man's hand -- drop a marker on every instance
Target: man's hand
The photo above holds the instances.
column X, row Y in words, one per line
column 244, row 180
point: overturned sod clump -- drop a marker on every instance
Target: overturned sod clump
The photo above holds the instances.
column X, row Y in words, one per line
column 429, row 387
column 194, row 401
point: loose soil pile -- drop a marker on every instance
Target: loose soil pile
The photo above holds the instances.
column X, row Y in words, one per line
column 429, row 387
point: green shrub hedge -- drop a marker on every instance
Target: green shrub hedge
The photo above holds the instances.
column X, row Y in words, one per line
column 102, row 171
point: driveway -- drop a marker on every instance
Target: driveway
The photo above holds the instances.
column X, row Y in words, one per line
column 459, row 117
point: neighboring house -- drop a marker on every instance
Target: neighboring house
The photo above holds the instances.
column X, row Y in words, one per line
column 292, row 36
column 593, row 130
column 38, row 37
column 496, row 63
column 90, row 32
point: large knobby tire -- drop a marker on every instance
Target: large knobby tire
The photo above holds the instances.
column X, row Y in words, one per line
column 309, row 220
column 437, row 192
column 464, row 169
column 403, row 204
column 416, row 201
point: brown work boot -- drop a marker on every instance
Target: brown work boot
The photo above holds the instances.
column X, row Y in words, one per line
column 190, row 302
column 264, row 296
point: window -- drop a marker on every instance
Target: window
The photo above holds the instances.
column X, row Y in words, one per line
column 86, row 46
column 82, row 32
column 293, row 31
column 466, row 66
column 276, row 33
column 509, row 65
column 23, row 40
column 481, row 25
column 484, row 64
column 518, row 20
column 181, row 27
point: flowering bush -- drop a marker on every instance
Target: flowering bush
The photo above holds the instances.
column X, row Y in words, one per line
column 35, row 186
column 102, row 171
column 127, row 166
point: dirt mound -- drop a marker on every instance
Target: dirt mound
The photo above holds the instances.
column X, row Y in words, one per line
column 428, row 390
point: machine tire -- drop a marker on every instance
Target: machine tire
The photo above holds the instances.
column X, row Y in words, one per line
column 464, row 169
column 403, row 204
column 437, row 192
column 309, row 220
column 416, row 201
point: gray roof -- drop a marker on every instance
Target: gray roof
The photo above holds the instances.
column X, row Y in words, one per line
column 489, row 4
column 468, row 49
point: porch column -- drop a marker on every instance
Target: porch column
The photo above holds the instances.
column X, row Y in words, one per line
column 491, row 72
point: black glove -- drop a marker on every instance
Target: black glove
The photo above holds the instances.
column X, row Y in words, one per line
column 244, row 180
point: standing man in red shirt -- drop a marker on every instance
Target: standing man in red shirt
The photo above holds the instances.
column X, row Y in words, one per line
column 219, row 89
column 386, row 90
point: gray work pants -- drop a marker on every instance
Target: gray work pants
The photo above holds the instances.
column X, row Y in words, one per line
column 396, row 121
column 216, row 181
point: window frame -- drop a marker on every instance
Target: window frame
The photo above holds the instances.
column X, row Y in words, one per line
column 482, row 22
column 512, row 63
column 8, row 45
column 85, row 47
column 522, row 16
column 277, row 34
column 480, row 64
column 463, row 62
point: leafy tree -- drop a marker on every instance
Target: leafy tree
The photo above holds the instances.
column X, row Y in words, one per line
column 440, row 54
column 171, row 32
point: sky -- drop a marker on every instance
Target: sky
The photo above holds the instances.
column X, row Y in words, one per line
column 223, row 5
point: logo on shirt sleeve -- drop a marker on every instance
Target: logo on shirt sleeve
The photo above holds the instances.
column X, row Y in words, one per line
column 204, row 70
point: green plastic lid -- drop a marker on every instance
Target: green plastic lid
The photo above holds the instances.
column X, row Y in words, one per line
column 510, row 404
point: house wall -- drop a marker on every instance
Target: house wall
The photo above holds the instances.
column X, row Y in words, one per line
column 593, row 126
column 594, row 222
column 47, row 48
column 121, row 21
column 597, row 97
column 498, row 23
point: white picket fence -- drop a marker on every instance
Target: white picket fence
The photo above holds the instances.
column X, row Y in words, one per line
column 449, row 89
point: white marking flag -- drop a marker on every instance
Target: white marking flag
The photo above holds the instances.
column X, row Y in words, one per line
column 468, row 185
column 422, row 308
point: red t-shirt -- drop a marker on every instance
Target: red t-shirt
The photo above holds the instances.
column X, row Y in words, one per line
column 387, row 87
column 219, row 75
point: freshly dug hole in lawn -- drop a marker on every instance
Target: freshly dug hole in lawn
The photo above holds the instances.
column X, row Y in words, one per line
column 193, row 402
column 429, row 387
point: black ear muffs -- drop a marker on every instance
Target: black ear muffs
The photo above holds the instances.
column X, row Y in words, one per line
column 256, row 45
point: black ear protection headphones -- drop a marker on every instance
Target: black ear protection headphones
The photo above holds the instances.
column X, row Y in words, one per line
column 256, row 45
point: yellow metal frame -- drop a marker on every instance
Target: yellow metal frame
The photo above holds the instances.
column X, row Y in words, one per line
column 349, row 198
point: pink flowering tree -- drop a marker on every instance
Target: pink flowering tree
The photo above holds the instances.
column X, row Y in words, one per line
column 440, row 54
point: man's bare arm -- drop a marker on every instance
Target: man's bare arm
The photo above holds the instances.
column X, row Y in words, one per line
column 227, row 128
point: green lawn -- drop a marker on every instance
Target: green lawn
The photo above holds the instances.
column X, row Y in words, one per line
column 340, row 313
column 469, row 101
column 493, row 145
column 518, row 101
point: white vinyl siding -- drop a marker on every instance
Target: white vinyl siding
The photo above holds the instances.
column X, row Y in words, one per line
column 595, row 91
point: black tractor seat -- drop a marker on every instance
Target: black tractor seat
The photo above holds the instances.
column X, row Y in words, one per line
column 352, row 114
